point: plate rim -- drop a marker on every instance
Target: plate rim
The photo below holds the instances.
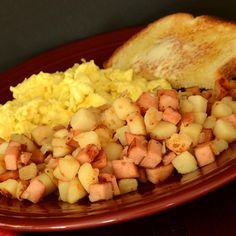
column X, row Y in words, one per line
column 223, row 177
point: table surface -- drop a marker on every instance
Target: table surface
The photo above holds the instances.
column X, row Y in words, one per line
column 213, row 214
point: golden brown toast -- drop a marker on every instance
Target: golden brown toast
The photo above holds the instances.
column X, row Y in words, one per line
column 186, row 50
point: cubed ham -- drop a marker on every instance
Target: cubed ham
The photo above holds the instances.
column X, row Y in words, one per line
column 147, row 100
column 168, row 158
column 187, row 118
column 210, row 103
column 101, row 191
column 107, row 177
column 34, row 191
column 70, row 138
column 193, row 90
column 124, row 169
column 51, row 162
column 100, row 160
column 130, row 137
column 88, row 154
column 137, row 150
column 154, row 154
column 206, row 135
column 11, row 174
column 160, row 173
column 222, row 87
column 170, row 92
column 231, row 119
column 166, row 101
column 37, row 156
column 25, row 157
column 171, row 115
column 204, row 154
column 124, row 152
column 12, row 155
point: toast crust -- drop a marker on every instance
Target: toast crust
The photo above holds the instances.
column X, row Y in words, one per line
column 186, row 50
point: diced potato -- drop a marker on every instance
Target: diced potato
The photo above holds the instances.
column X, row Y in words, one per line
column 229, row 101
column 42, row 132
column 22, row 139
column 76, row 152
column 3, row 147
column 135, row 123
column 75, row 191
column 86, row 138
column 127, row 185
column 111, row 120
column 226, row 100
column 28, row 172
column 200, row 117
column 220, row 109
column 224, row 130
column 21, row 187
column 8, row 188
column 123, row 106
column 46, row 147
column 61, row 133
column 50, row 185
column 199, row 103
column 185, row 163
column 88, row 175
column 67, row 168
column 63, row 187
column 71, row 191
column 104, row 135
column 179, row 142
column 58, row 142
column 209, row 122
column 233, row 106
column 193, row 130
column 186, row 106
column 120, row 134
column 163, row 130
column 113, row 150
column 84, row 120
column 151, row 118
column 219, row 145
column 60, row 148
column 61, row 151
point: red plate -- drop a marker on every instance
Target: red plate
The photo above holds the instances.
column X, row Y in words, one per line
column 52, row 215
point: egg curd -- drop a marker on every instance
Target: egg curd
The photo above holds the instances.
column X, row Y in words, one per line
column 52, row 98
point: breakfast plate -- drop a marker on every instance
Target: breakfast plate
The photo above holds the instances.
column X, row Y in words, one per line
column 53, row 215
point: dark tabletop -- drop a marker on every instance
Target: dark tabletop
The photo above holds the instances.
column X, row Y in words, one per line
column 28, row 28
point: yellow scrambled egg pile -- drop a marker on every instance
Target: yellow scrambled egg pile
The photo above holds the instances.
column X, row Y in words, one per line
column 52, row 98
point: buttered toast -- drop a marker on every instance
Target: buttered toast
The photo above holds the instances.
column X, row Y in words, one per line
column 186, row 50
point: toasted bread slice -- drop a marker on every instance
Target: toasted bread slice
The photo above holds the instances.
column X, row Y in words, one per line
column 186, row 50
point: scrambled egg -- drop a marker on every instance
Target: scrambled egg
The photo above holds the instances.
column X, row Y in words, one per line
column 52, row 98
